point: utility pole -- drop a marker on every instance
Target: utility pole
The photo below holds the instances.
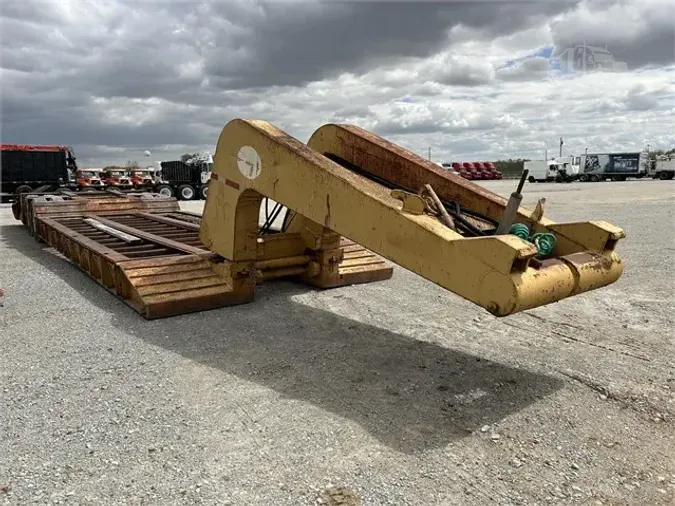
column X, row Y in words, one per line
column 429, row 153
column 561, row 145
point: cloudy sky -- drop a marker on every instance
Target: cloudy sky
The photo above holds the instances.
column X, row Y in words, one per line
column 470, row 80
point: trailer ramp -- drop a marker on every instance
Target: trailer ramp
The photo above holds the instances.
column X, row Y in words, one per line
column 147, row 252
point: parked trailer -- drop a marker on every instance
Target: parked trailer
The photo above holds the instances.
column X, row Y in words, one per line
column 27, row 167
column 146, row 251
column 615, row 166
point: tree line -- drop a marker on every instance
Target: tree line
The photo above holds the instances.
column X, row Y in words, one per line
column 660, row 152
column 133, row 164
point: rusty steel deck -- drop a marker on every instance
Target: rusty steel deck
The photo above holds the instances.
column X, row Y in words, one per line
column 147, row 252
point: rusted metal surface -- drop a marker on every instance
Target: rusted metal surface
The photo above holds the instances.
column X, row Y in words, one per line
column 360, row 265
column 61, row 203
column 276, row 263
column 405, row 168
column 165, row 270
column 385, row 160
column 128, row 238
column 341, row 183
column 167, row 236
column 158, row 276
column 188, row 224
column 183, row 237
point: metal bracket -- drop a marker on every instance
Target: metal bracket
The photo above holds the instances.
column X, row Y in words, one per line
column 539, row 210
column 412, row 203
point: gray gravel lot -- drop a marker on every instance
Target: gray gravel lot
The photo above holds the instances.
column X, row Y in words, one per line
column 399, row 391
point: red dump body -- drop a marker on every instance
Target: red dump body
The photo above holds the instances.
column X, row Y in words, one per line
column 34, row 147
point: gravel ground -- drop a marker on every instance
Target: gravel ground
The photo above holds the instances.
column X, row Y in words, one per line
column 396, row 392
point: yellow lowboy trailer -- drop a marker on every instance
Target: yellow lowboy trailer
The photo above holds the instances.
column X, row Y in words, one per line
column 355, row 202
column 348, row 182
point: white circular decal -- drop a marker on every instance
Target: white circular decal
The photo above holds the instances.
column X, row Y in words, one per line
column 249, row 162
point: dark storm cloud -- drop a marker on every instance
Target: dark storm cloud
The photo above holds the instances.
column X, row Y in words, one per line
column 291, row 44
column 77, row 124
column 212, row 53
column 638, row 35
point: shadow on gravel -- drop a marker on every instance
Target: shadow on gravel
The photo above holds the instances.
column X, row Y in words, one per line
column 411, row 395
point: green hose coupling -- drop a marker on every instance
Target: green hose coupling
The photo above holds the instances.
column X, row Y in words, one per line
column 544, row 242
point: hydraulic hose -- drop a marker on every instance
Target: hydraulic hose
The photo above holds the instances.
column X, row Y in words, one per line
column 452, row 207
column 544, row 242
column 269, row 218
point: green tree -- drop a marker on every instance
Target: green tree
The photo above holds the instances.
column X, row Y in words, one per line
column 659, row 152
column 187, row 156
column 510, row 168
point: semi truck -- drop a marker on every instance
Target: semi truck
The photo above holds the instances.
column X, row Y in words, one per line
column 186, row 180
column 615, row 166
column 27, row 167
column 589, row 167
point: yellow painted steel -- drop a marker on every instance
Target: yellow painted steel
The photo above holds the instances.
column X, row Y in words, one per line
column 255, row 159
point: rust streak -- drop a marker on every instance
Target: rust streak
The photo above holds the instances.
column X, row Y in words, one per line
column 327, row 220
column 232, row 184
